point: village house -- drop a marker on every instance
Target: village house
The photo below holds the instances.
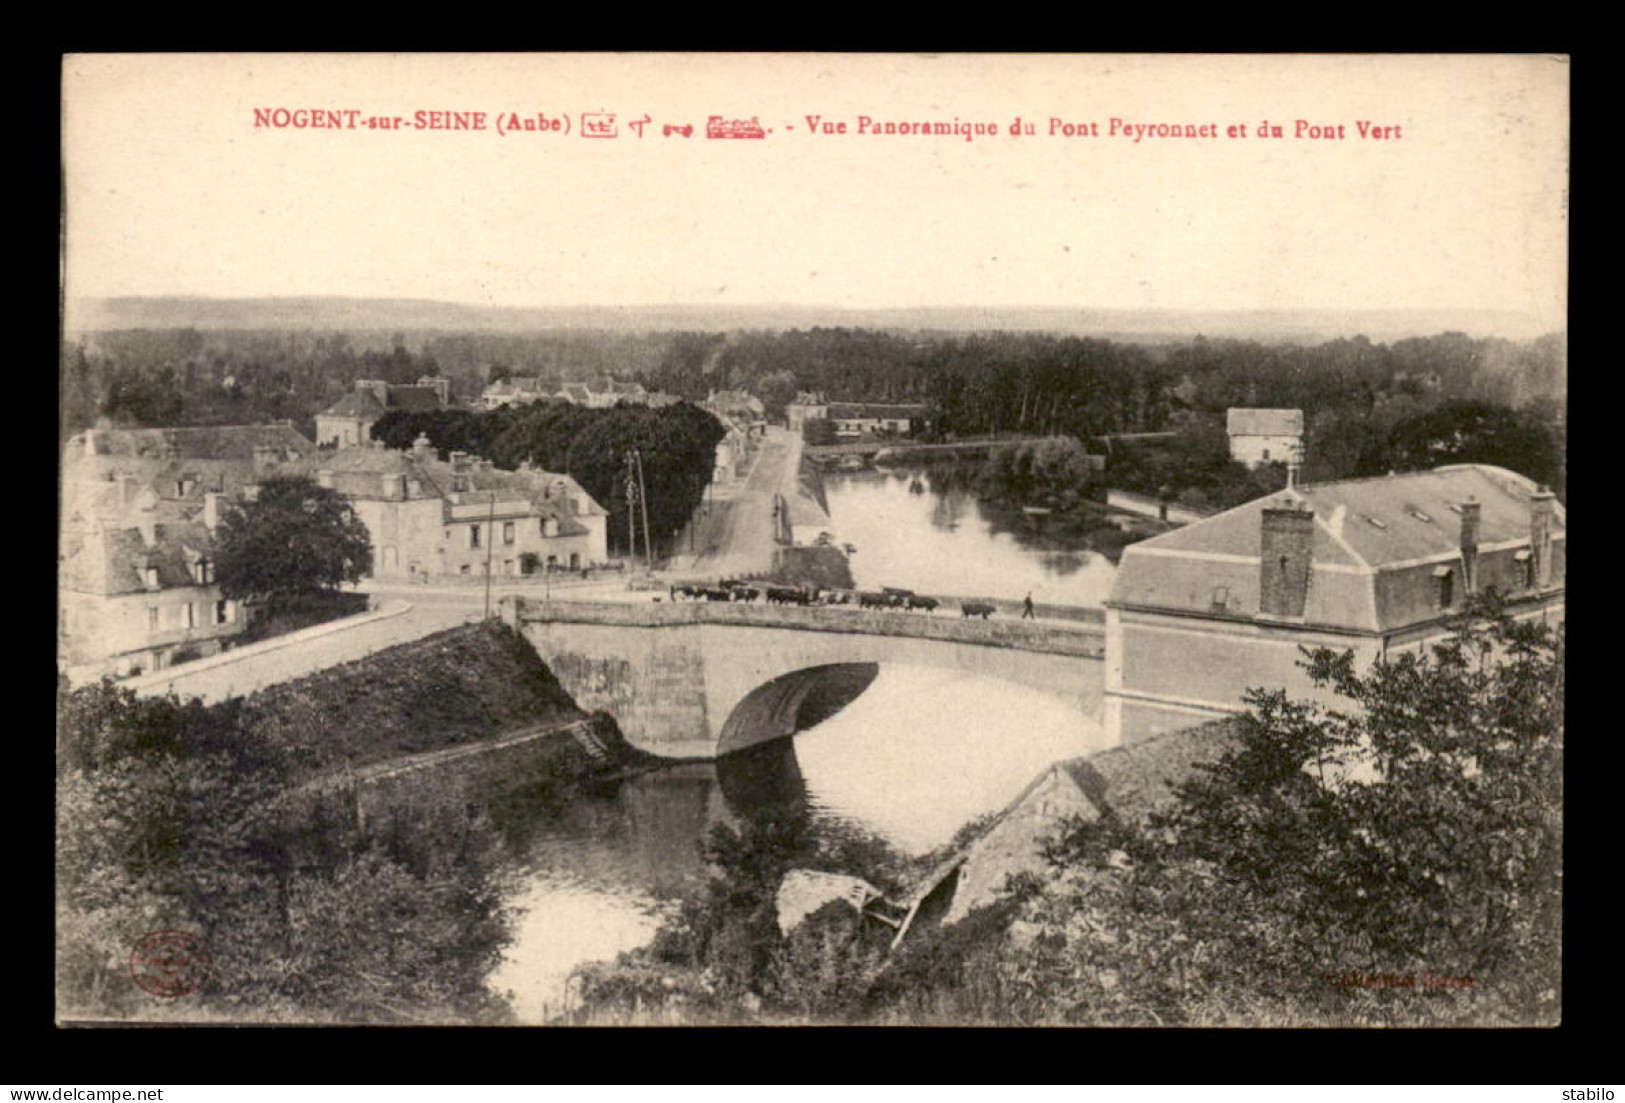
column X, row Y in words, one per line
column 136, row 562
column 517, row 391
column 854, row 419
column 1378, row 566
column 461, row 516
column 349, row 421
column 1258, row 437
column 738, row 406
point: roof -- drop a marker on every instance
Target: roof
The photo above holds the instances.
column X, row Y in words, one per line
column 362, row 402
column 355, row 404
column 877, row 410
column 114, row 560
column 1243, row 422
column 1362, row 528
column 200, row 442
column 1136, row 780
column 414, row 399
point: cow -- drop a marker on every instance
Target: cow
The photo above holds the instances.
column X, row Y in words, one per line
column 745, row 593
column 929, row 604
column 981, row 609
column 869, row 600
column 712, row 594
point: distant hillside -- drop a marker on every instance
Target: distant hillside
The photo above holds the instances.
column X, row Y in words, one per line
column 402, row 315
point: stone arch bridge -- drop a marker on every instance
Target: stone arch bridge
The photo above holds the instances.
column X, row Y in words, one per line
column 705, row 679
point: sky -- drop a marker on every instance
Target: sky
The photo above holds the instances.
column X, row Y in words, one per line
column 173, row 190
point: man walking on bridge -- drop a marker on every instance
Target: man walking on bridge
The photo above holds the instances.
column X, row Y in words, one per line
column 1027, row 607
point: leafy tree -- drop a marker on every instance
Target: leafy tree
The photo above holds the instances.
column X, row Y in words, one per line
column 1470, row 432
column 295, row 540
column 1394, row 862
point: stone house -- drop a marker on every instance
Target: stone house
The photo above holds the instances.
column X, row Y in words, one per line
column 1199, row 615
column 135, row 557
column 348, row 422
column 458, row 516
column 1258, row 437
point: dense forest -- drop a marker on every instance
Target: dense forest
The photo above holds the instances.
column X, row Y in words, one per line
column 1361, row 399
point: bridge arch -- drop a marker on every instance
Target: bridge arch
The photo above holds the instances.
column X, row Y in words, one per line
column 793, row 702
column 701, row 681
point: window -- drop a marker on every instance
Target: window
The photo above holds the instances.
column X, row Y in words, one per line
column 1447, row 586
column 1526, row 564
column 575, row 561
column 152, row 578
column 507, row 532
column 203, row 571
column 464, row 569
column 473, row 536
column 189, row 613
column 222, row 612
column 1266, row 453
column 152, row 618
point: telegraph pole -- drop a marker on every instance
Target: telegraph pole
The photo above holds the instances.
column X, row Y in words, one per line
column 643, row 505
column 631, row 510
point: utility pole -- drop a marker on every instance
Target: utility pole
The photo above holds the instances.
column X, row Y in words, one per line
column 490, row 546
column 643, row 505
column 631, row 511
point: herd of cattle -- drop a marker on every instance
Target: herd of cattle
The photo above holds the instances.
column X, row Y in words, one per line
column 888, row 598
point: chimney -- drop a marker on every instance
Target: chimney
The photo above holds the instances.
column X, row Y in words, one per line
column 1470, row 516
column 394, row 487
column 1285, row 561
column 211, row 510
column 459, row 461
column 1540, row 534
column 421, row 448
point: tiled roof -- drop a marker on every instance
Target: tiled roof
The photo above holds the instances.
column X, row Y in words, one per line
column 414, row 399
column 114, row 561
column 1362, row 527
column 1135, row 780
column 200, row 442
column 355, row 404
column 1241, row 422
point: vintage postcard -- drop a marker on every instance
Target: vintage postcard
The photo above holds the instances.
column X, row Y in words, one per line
column 668, row 539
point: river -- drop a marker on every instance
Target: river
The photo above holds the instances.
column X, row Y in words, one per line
column 917, row 755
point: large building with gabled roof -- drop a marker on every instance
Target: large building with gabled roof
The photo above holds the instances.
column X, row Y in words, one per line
column 348, row 422
column 1201, row 614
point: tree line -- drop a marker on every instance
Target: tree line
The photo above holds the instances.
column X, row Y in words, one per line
column 1354, row 392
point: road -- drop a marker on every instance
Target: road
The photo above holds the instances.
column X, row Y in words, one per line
column 737, row 538
column 257, row 669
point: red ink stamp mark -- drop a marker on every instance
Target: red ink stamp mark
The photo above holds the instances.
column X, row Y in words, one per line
column 718, row 127
column 598, row 124
column 170, row 963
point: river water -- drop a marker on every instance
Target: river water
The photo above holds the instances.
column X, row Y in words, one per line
column 917, row 755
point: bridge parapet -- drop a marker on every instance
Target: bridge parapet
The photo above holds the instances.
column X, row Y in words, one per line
column 1078, row 639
